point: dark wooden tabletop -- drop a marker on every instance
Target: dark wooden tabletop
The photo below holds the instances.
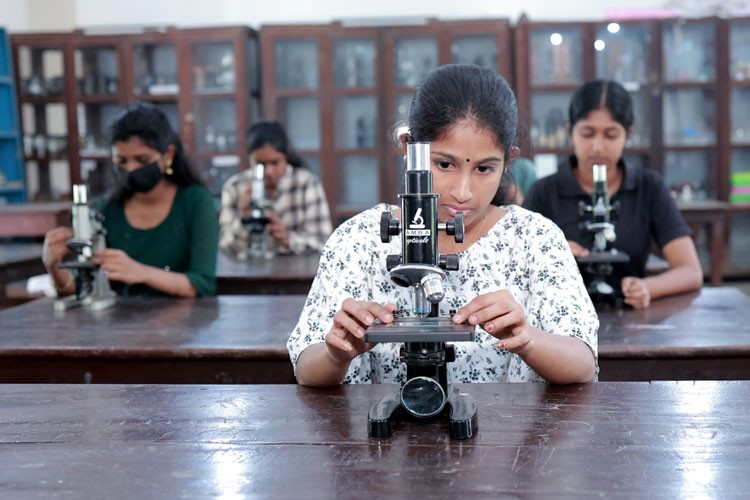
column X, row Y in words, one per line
column 605, row 440
column 227, row 339
column 284, row 274
column 701, row 335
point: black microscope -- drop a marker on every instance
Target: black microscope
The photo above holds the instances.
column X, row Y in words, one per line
column 92, row 285
column 258, row 245
column 425, row 394
column 597, row 218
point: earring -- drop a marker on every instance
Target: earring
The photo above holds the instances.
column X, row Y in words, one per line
column 169, row 170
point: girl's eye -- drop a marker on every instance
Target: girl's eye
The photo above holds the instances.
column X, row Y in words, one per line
column 484, row 169
column 443, row 164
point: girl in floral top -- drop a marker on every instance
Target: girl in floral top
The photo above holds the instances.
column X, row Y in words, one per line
column 517, row 280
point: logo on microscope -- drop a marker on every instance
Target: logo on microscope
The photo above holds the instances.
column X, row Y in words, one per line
column 417, row 227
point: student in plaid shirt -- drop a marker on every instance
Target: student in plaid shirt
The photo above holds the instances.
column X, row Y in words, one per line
column 300, row 219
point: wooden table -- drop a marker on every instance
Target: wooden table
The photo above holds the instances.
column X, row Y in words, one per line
column 18, row 261
column 713, row 214
column 284, row 274
column 703, row 335
column 231, row 339
column 33, row 219
column 606, row 440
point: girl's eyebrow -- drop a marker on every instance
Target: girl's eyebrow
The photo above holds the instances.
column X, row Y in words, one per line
column 455, row 159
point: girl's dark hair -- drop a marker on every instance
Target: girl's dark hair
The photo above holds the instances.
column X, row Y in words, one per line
column 151, row 125
column 454, row 93
column 602, row 94
column 272, row 133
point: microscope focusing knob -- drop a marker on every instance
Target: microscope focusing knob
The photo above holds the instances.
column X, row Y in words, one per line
column 389, row 226
column 392, row 261
column 449, row 262
column 457, row 227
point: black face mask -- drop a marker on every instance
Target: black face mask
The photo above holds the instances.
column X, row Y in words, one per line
column 140, row 180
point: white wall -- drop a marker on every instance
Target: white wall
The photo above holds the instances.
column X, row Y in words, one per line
column 255, row 13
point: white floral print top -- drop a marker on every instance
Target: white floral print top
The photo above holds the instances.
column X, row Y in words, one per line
column 523, row 252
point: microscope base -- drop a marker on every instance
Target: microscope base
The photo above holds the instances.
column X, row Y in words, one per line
column 93, row 303
column 462, row 412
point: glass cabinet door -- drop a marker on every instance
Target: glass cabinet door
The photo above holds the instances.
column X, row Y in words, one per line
column 548, row 118
column 688, row 52
column 686, row 175
column 214, row 68
column 475, row 49
column 689, row 117
column 216, row 125
column 41, row 72
column 359, row 187
column 97, row 71
column 155, row 69
column 356, row 120
column 640, row 136
column 296, row 64
column 556, row 56
column 739, row 175
column 622, row 52
column 354, row 63
column 301, row 115
column 414, row 57
column 739, row 51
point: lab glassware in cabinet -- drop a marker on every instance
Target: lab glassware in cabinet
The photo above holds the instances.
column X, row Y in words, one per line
column 97, row 71
column 739, row 51
column 154, row 67
column 689, row 175
column 689, row 117
column 302, row 118
column 214, row 67
column 356, row 122
column 414, row 57
column 354, row 63
column 622, row 52
column 216, row 125
column 296, row 64
column 481, row 50
column 359, row 185
column 688, row 52
column 557, row 56
column 740, row 116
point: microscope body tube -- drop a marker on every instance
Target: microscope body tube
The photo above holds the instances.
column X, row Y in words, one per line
column 600, row 197
column 258, row 198
column 419, row 243
column 83, row 227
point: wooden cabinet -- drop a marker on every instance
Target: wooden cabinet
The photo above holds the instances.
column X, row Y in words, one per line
column 690, row 84
column 341, row 91
column 74, row 84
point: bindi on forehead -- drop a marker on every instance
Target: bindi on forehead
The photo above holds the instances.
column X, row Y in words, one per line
column 467, row 160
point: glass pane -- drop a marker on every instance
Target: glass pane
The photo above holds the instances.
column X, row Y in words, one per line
column 359, row 183
column 356, row 122
column 414, row 58
column 93, row 124
column 480, row 50
column 401, row 112
column 213, row 67
column 296, row 63
column 155, row 69
column 354, row 63
column 555, row 56
column 740, row 122
column 688, row 52
column 41, row 72
column 640, row 161
column 313, row 164
column 216, row 125
column 97, row 71
column 173, row 114
column 739, row 51
column 548, row 112
column 740, row 177
column 687, row 175
column 689, row 117
column 301, row 116
column 641, row 134
column 622, row 52
column 739, row 241
column 216, row 173
column 47, row 138
column 98, row 175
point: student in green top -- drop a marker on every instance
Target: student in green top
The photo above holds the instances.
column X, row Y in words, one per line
column 162, row 229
